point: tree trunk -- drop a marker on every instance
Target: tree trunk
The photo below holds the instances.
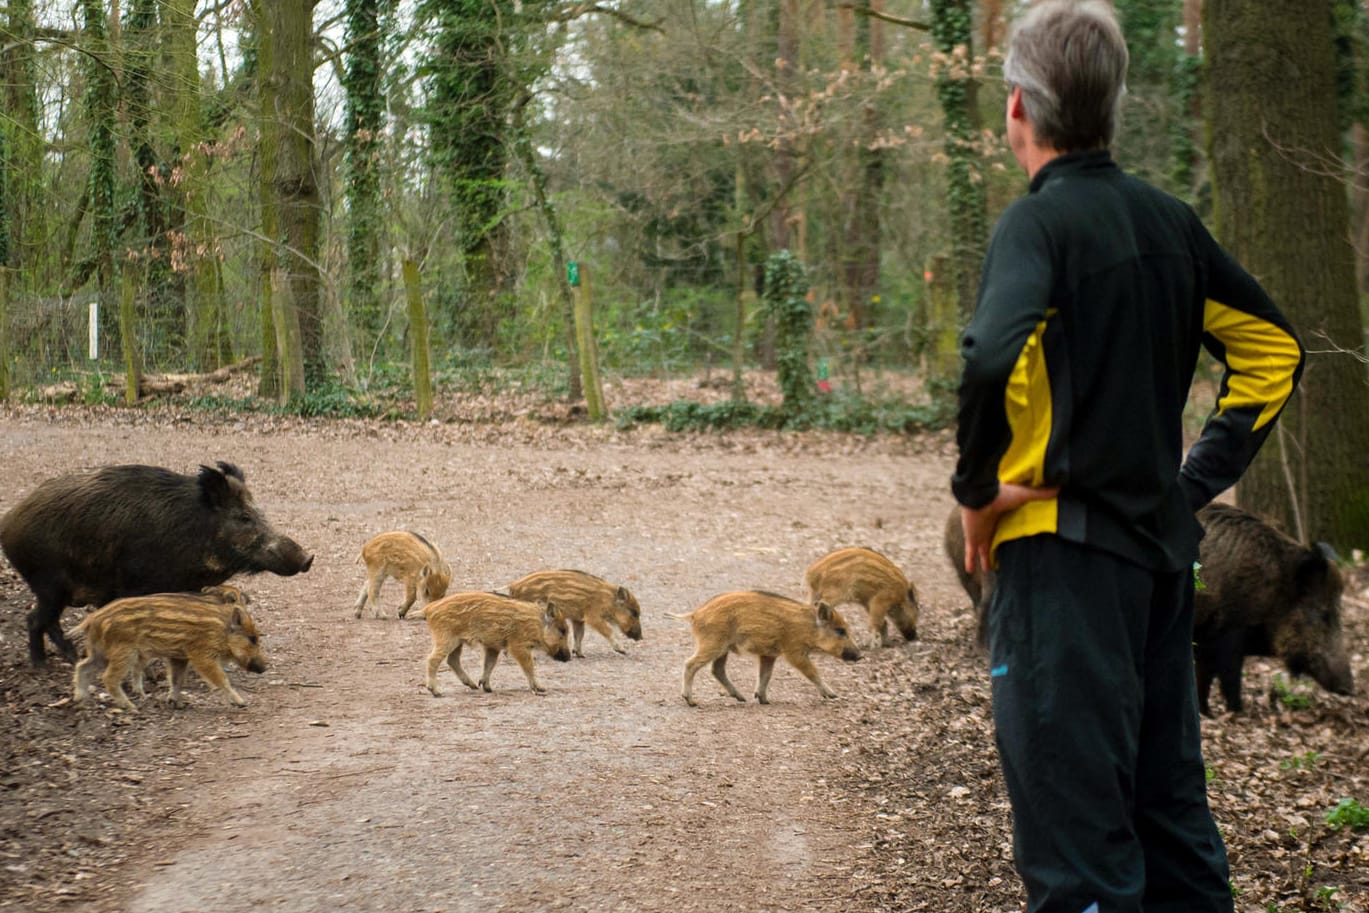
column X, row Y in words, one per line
column 269, row 374
column 25, row 197
column 418, row 340
column 294, row 181
column 100, row 112
column 860, row 269
column 365, row 121
column 195, row 244
column 952, row 32
column 1281, row 210
column 165, row 314
column 471, row 94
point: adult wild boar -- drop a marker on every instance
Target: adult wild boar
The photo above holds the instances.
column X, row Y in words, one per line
column 1264, row 594
column 90, row 538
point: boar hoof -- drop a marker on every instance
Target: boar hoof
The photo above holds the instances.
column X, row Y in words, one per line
column 690, row 701
column 620, row 651
column 435, row 692
column 485, row 687
column 760, row 698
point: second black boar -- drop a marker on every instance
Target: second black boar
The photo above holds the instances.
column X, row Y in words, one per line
column 90, row 538
column 1264, row 594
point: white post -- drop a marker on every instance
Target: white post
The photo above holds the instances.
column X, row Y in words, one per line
column 95, row 329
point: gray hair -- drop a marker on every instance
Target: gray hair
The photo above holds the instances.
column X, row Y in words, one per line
column 1070, row 60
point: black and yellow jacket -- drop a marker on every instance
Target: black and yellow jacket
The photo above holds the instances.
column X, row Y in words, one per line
column 1098, row 291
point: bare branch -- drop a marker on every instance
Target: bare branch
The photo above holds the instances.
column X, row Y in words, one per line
column 884, row 17
column 576, row 10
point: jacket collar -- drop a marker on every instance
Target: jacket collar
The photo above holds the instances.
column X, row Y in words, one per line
column 1092, row 161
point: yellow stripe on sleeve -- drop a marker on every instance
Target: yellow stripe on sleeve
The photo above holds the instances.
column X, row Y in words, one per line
column 1261, row 359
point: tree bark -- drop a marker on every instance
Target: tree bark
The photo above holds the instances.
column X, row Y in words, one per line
column 195, row 246
column 952, row 32
column 294, row 179
column 269, row 378
column 365, row 121
column 1280, row 204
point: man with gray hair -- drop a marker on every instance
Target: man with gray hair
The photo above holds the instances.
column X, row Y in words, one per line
column 1098, row 292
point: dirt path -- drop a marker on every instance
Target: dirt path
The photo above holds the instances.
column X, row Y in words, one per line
column 345, row 785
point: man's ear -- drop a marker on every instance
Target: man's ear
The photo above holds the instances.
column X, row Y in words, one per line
column 1016, row 110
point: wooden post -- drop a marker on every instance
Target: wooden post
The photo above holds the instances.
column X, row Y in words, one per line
column 128, row 333
column 589, row 352
column 418, row 336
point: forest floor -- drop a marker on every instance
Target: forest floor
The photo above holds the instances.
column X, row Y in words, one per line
column 344, row 785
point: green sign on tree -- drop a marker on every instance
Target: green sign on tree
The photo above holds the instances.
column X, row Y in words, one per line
column 573, row 273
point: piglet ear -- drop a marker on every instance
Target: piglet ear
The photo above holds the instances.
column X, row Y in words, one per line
column 620, row 597
column 236, row 623
column 550, row 613
column 824, row 613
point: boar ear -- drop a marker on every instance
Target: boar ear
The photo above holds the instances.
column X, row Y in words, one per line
column 912, row 596
column 550, row 613
column 236, row 623
column 1312, row 570
column 824, row 612
column 621, row 596
column 214, row 486
column 230, row 469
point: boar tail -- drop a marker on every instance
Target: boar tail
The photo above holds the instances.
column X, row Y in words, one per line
column 681, row 617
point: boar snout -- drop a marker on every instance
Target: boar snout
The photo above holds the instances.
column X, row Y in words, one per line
column 850, row 654
column 1333, row 674
column 256, row 664
column 286, row 558
column 635, row 632
column 562, row 655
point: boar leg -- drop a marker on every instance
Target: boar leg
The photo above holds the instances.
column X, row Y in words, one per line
column 577, row 630
column 85, row 671
column 523, row 656
column 804, row 664
column 691, row 667
column 209, row 669
column 46, row 619
column 720, row 673
column 600, row 625
column 116, row 667
column 879, row 623
column 410, row 596
column 435, row 658
column 767, row 666
column 454, row 660
column 371, row 593
column 175, row 681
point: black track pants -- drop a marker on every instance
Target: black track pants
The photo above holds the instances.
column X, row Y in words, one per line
column 1097, row 728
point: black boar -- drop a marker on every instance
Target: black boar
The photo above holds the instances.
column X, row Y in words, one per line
column 978, row 585
column 1263, row 594
column 91, row 538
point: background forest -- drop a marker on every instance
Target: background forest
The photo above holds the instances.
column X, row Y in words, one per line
column 348, row 189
